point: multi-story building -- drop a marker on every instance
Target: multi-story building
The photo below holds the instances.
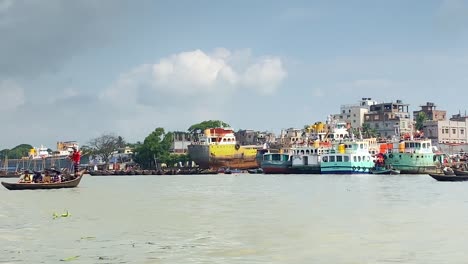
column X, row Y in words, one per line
column 181, row 142
column 453, row 131
column 246, row 137
column 353, row 114
column 389, row 119
column 431, row 113
column 251, row 137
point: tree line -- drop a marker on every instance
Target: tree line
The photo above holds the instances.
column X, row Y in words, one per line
column 155, row 148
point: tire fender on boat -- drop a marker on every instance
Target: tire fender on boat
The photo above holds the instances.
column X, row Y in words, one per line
column 237, row 146
column 390, row 156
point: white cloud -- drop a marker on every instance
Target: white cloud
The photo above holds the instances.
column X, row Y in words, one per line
column 265, row 75
column 195, row 73
column 12, row 95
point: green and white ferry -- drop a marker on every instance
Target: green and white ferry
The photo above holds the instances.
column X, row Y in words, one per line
column 412, row 157
column 348, row 157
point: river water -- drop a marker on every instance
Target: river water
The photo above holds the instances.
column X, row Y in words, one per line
column 241, row 218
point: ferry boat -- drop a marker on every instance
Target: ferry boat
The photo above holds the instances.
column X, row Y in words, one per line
column 347, row 157
column 217, row 148
column 307, row 153
column 413, row 156
column 276, row 163
column 307, row 159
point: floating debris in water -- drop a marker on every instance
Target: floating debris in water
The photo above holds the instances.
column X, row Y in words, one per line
column 70, row 258
column 88, row 238
column 66, row 214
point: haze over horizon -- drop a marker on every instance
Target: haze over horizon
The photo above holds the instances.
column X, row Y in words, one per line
column 73, row 70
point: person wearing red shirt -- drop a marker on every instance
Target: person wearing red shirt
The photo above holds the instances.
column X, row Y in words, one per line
column 75, row 157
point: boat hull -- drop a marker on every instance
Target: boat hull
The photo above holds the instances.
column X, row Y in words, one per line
column 275, row 168
column 460, row 173
column 219, row 156
column 452, row 178
column 305, row 169
column 42, row 186
column 384, row 171
column 412, row 163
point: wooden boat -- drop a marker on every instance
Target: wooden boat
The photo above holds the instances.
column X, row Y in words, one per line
column 460, row 173
column 443, row 177
column 384, row 171
column 39, row 186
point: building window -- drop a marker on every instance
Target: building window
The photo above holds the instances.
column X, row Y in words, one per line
column 462, row 131
column 344, row 111
column 454, row 130
column 446, row 131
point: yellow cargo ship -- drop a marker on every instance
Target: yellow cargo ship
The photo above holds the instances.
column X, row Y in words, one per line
column 217, row 148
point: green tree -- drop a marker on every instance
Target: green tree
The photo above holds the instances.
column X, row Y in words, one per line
column 420, row 118
column 200, row 127
column 368, row 132
column 103, row 146
column 154, row 149
column 17, row 152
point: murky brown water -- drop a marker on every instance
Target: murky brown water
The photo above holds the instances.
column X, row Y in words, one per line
column 239, row 219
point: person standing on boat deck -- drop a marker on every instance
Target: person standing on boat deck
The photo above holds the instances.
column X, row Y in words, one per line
column 75, row 157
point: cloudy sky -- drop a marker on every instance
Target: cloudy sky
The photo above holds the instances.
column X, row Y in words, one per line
column 73, row 70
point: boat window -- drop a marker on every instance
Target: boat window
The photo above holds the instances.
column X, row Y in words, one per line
column 332, row 158
column 339, row 158
column 361, row 146
column 424, row 145
column 355, row 159
column 359, row 158
column 411, row 144
column 307, row 152
column 302, row 152
column 417, row 145
column 346, row 159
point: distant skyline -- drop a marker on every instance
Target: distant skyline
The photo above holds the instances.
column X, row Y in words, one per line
column 73, row 70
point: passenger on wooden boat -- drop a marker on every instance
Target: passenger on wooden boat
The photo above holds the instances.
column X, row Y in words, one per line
column 46, row 178
column 26, row 177
column 448, row 169
column 37, row 178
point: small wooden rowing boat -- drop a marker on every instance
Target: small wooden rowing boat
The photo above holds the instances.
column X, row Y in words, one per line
column 460, row 172
column 384, row 171
column 41, row 186
column 443, row 177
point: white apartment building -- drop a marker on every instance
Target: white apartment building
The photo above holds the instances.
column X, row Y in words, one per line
column 353, row 114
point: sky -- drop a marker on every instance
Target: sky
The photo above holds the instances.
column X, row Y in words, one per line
column 75, row 70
